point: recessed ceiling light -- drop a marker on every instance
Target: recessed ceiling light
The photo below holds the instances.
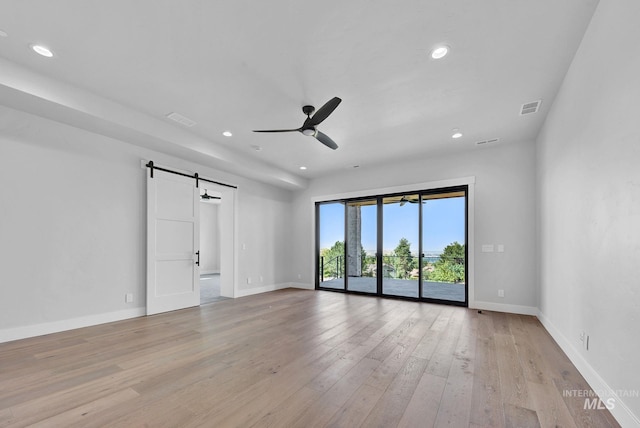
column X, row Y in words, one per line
column 3, row 33
column 456, row 133
column 439, row 52
column 303, row 168
column 42, row 50
column 227, row 133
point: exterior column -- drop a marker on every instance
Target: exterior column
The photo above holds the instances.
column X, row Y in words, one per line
column 354, row 240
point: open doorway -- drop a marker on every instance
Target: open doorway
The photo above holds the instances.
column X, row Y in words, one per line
column 210, row 248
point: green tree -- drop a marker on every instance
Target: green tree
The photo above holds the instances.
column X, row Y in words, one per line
column 454, row 253
column 367, row 261
column 403, row 262
column 333, row 260
column 450, row 266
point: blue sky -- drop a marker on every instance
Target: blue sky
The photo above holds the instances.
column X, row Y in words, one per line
column 443, row 223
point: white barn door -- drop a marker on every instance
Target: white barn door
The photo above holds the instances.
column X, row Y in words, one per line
column 173, row 235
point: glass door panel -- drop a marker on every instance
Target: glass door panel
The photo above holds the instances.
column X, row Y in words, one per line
column 443, row 246
column 331, row 260
column 362, row 227
column 400, row 240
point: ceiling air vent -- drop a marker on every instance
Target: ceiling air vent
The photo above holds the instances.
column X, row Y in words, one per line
column 181, row 119
column 531, row 107
column 493, row 140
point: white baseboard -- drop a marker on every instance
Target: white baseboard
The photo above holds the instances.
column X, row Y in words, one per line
column 24, row 332
column 302, row 285
column 620, row 411
column 263, row 289
column 274, row 287
column 503, row 307
column 210, row 272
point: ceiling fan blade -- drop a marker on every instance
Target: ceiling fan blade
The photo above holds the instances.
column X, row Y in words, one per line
column 323, row 112
column 276, row 130
column 324, row 139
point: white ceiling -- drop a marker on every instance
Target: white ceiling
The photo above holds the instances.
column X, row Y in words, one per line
column 121, row 66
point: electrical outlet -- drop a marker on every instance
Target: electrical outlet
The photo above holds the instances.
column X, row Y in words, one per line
column 586, row 342
column 128, row 298
column 249, row 280
column 584, row 338
column 500, row 293
column 261, row 278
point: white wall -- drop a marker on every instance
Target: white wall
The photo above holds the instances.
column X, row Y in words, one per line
column 209, row 238
column 504, row 214
column 264, row 240
column 588, row 166
column 72, row 226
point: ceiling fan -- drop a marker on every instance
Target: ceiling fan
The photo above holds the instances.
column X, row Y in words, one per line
column 206, row 196
column 404, row 200
column 309, row 126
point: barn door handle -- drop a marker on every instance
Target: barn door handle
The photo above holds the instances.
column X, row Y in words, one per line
column 198, row 259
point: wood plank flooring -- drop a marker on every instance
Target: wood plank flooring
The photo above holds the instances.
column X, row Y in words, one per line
column 296, row 358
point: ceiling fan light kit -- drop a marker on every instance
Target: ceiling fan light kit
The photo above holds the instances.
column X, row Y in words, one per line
column 440, row 52
column 308, row 128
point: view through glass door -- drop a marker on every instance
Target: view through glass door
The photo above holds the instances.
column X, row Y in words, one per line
column 330, row 237
column 443, row 246
column 400, row 240
column 362, row 246
column 409, row 245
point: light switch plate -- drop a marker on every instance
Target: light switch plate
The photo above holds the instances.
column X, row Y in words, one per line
column 487, row 248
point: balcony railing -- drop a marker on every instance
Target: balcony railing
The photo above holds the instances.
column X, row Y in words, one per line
column 442, row 269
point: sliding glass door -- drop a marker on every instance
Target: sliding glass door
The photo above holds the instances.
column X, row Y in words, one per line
column 362, row 244
column 409, row 245
column 443, row 246
column 330, row 237
column 400, row 238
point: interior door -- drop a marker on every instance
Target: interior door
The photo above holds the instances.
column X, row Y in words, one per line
column 173, row 220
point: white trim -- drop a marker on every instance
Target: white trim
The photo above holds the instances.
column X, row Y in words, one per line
column 621, row 411
column 504, row 307
column 24, row 332
column 210, row 272
column 417, row 187
column 471, row 247
column 302, row 286
column 260, row 290
column 229, row 247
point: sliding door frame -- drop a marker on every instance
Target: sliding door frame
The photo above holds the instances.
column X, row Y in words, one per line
column 466, row 186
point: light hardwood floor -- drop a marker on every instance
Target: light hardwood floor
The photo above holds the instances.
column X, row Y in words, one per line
column 296, row 358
